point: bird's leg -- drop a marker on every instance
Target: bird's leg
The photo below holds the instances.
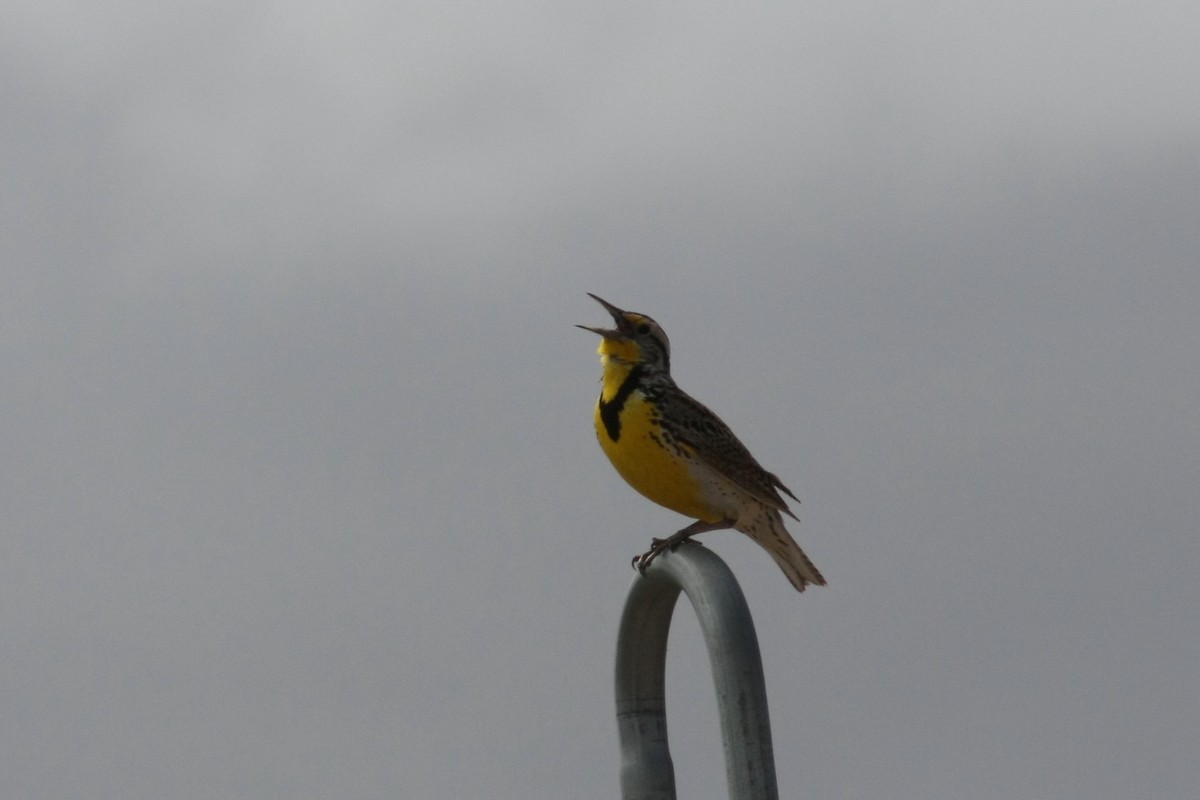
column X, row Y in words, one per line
column 657, row 546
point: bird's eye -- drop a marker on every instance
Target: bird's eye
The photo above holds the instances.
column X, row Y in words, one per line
column 644, row 328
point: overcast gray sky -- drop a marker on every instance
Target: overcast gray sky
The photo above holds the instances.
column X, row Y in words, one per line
column 300, row 492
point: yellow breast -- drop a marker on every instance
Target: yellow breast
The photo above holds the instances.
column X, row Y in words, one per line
column 650, row 462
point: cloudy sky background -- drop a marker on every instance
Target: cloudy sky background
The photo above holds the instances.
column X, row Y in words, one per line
column 300, row 496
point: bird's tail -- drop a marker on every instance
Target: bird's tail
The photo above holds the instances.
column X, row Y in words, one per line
column 765, row 526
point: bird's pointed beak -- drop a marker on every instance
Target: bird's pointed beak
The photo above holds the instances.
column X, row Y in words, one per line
column 618, row 316
column 617, row 313
column 607, row 333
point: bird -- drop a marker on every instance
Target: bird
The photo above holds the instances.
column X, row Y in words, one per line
column 675, row 451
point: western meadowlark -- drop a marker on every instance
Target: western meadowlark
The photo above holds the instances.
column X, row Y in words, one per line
column 679, row 454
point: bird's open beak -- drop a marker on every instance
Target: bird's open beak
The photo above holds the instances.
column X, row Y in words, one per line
column 618, row 316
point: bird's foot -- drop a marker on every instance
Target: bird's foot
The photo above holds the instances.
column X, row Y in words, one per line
column 657, row 546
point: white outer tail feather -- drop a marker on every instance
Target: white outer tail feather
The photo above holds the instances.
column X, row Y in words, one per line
column 765, row 526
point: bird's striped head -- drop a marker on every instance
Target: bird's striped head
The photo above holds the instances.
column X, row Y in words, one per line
column 637, row 339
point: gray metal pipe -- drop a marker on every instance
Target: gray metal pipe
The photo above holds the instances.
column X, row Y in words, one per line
column 647, row 772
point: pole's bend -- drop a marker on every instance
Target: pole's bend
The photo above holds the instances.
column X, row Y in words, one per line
column 646, row 769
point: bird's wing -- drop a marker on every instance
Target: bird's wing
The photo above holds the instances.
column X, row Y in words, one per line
column 694, row 425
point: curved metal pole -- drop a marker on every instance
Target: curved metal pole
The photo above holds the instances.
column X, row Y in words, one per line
column 646, row 769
